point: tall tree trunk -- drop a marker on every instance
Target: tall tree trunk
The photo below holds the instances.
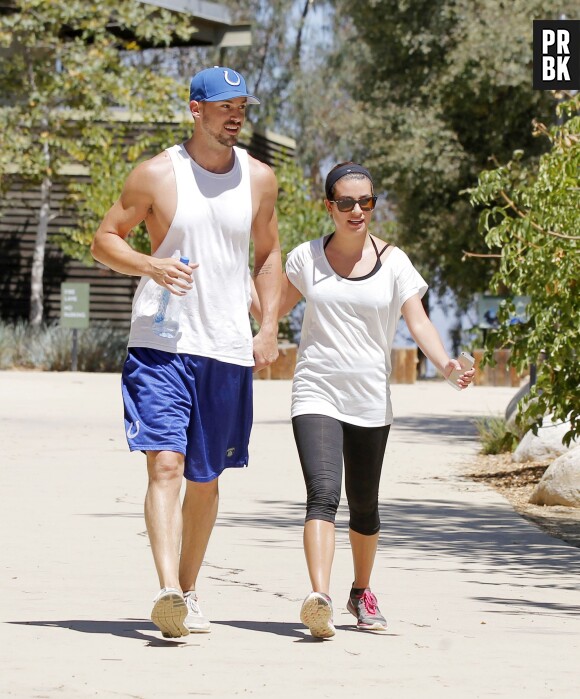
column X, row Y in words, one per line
column 37, row 272
column 298, row 45
column 293, row 66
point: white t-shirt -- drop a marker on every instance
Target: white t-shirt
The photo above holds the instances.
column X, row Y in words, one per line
column 344, row 358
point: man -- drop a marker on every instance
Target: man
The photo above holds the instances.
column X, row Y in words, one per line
column 188, row 398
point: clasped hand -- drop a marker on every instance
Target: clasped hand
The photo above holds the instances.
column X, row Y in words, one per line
column 173, row 275
column 265, row 350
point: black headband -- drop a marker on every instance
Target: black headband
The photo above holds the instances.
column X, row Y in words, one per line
column 335, row 175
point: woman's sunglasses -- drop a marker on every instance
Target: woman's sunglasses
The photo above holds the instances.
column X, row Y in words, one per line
column 348, row 203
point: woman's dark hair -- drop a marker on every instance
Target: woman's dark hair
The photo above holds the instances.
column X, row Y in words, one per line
column 350, row 170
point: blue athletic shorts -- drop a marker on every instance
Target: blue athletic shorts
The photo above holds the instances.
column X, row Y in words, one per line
column 197, row 406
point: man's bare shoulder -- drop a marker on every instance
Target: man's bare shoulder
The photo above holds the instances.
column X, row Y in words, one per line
column 262, row 174
column 159, row 166
column 149, row 175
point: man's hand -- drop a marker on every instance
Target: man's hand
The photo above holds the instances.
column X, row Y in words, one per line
column 173, row 275
column 265, row 350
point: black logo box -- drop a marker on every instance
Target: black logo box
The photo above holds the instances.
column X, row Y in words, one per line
column 554, row 70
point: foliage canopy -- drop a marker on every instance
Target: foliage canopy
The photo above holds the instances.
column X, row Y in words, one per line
column 531, row 216
column 66, row 77
column 445, row 84
column 67, row 85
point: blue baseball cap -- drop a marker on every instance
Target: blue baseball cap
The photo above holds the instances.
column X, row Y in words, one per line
column 219, row 83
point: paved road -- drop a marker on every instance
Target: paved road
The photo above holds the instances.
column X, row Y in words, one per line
column 480, row 603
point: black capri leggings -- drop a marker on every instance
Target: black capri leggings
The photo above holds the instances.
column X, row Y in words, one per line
column 322, row 443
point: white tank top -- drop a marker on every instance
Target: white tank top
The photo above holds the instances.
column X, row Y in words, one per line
column 211, row 226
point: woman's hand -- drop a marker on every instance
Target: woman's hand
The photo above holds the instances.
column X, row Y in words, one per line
column 464, row 379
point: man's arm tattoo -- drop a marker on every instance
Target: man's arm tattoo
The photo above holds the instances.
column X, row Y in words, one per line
column 266, row 268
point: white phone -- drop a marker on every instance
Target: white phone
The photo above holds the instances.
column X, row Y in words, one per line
column 467, row 362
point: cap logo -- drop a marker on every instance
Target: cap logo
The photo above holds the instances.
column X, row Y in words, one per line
column 232, row 82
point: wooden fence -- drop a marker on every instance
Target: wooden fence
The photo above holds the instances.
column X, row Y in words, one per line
column 403, row 361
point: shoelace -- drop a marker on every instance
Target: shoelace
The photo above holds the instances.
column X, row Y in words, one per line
column 369, row 601
column 192, row 603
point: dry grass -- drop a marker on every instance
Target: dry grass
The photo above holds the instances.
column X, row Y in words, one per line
column 516, row 483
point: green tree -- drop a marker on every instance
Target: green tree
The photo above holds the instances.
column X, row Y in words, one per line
column 300, row 216
column 531, row 215
column 64, row 78
column 444, row 85
column 108, row 161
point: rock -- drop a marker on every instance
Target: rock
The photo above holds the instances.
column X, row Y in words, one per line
column 560, row 484
column 547, row 444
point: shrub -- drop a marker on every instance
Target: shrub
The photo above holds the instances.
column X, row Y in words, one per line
column 495, row 436
column 101, row 347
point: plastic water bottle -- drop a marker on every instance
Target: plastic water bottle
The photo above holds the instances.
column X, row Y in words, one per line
column 166, row 320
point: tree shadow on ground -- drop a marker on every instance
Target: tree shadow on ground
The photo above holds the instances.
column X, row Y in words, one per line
column 490, row 537
column 440, row 427
column 518, row 606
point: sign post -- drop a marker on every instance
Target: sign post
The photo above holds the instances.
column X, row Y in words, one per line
column 74, row 313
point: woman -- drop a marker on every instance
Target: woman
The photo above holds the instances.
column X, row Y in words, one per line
column 356, row 287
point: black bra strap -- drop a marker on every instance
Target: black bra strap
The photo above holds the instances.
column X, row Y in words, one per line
column 383, row 250
column 328, row 240
column 378, row 254
column 376, row 250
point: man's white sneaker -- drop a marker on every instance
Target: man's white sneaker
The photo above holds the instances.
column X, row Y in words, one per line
column 169, row 613
column 195, row 620
column 316, row 613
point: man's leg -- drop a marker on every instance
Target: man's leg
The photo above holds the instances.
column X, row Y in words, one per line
column 163, row 519
column 163, row 513
column 200, row 507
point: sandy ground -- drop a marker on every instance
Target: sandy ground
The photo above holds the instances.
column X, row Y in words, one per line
column 480, row 602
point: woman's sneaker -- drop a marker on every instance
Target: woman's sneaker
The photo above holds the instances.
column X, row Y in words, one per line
column 316, row 613
column 363, row 605
column 195, row 620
